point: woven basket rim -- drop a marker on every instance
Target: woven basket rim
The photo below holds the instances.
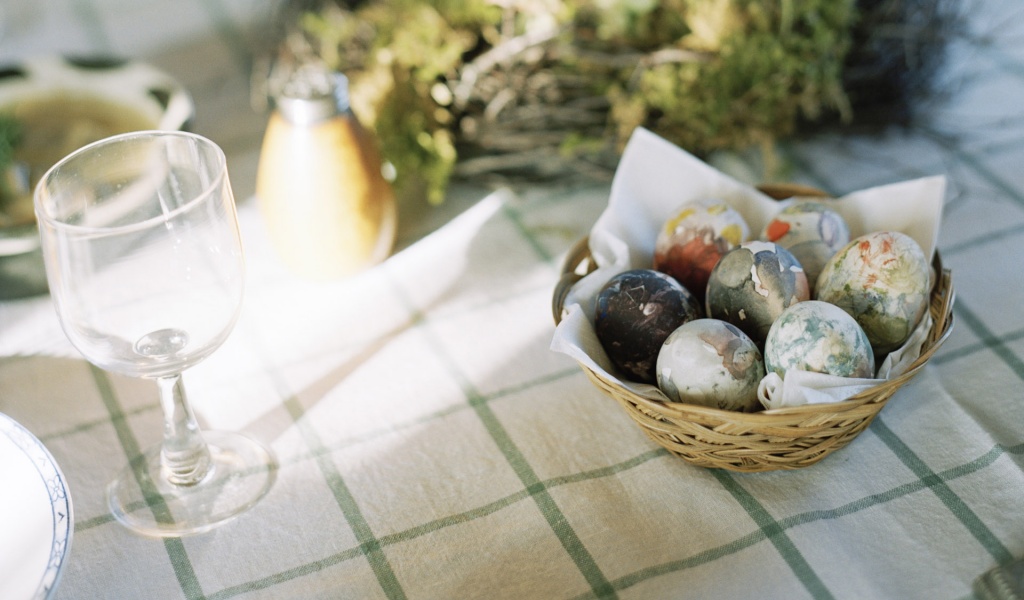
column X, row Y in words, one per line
column 681, row 410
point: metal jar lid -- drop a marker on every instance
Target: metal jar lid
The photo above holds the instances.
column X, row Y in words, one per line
column 313, row 94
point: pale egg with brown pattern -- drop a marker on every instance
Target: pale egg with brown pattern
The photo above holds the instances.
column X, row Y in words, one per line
column 883, row 280
column 708, row 362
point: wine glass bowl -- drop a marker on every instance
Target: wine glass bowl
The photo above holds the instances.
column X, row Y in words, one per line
column 145, row 266
column 151, row 271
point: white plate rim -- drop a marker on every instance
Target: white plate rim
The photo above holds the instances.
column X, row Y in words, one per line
column 60, row 501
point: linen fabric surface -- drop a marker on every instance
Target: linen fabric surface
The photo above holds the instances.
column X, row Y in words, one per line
column 433, row 446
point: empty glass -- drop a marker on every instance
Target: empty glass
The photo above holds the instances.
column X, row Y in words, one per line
column 144, row 261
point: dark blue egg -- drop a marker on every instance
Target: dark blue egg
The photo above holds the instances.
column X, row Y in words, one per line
column 636, row 312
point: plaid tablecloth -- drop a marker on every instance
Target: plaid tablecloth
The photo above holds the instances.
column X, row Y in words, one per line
column 432, row 446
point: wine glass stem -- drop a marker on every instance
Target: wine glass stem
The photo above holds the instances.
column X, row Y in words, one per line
column 184, row 456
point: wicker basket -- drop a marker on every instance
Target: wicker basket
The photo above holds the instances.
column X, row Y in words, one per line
column 781, row 438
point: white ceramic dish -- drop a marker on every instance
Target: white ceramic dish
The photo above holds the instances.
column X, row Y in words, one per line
column 36, row 516
column 153, row 97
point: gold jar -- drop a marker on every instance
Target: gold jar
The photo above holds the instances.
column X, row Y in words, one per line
column 328, row 210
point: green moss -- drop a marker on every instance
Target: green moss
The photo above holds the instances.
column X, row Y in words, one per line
column 705, row 74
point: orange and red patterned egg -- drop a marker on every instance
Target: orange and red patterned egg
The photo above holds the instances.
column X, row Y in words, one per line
column 692, row 242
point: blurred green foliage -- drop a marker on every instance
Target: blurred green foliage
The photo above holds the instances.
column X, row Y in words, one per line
column 705, row 74
column 10, row 137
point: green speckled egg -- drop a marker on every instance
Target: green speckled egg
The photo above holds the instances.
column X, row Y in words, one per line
column 882, row 280
column 820, row 337
column 711, row 363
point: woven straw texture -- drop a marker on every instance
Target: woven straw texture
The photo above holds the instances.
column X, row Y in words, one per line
column 784, row 438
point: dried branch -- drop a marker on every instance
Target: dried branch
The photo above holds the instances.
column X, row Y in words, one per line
column 502, row 53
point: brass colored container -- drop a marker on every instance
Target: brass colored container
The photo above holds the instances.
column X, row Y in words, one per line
column 328, row 210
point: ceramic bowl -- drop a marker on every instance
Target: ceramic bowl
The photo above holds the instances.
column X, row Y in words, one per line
column 60, row 104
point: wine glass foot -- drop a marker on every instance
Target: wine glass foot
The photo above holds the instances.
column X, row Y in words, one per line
column 241, row 472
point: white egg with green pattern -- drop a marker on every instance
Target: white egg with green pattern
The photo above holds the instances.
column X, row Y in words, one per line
column 819, row 337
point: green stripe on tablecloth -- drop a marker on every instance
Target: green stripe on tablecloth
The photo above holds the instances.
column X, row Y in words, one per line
column 982, row 239
column 982, row 462
column 701, row 558
column 87, row 524
column 87, row 426
column 970, row 349
column 369, row 546
column 776, row 534
column 814, row 177
column 1005, row 61
column 283, row 576
column 954, row 503
column 180, row 562
column 548, row 507
column 501, row 503
column 516, row 218
column 970, row 160
column 756, row 537
column 398, row 428
column 435, row 525
column 368, row 543
column 991, row 340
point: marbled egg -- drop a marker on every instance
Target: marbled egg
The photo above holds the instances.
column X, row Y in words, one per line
column 753, row 284
column 811, row 230
column 636, row 311
column 711, row 363
column 695, row 238
column 820, row 337
column 882, row 280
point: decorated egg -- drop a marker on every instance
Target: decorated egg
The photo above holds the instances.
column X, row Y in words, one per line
column 711, row 363
column 820, row 337
column 882, row 280
column 812, row 231
column 753, row 284
column 636, row 311
column 695, row 238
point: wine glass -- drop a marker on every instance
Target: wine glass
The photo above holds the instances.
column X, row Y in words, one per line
column 144, row 261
